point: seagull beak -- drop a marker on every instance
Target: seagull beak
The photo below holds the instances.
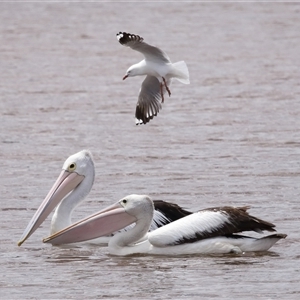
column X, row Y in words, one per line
column 65, row 183
column 102, row 223
column 125, row 76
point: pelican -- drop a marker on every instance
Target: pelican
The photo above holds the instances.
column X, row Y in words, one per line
column 209, row 231
column 71, row 188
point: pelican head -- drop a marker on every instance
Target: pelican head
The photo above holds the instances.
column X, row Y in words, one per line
column 81, row 163
column 70, row 185
column 137, row 205
column 130, row 209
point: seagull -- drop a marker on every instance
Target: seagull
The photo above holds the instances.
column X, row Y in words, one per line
column 208, row 231
column 159, row 71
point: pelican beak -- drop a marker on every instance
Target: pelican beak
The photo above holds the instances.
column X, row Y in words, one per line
column 102, row 223
column 65, row 183
column 125, row 76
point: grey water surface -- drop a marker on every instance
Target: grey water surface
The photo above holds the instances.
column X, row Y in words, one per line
column 231, row 137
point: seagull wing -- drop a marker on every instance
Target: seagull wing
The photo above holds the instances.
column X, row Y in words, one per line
column 148, row 104
column 137, row 43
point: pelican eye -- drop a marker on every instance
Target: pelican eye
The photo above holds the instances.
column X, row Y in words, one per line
column 72, row 167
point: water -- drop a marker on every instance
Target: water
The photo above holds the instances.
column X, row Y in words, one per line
column 231, row 137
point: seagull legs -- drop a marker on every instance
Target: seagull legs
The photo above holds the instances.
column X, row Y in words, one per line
column 161, row 89
column 162, row 93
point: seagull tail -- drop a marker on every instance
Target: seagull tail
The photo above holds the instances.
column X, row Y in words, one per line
column 181, row 72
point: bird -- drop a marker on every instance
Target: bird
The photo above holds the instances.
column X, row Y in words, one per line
column 71, row 188
column 208, row 231
column 159, row 71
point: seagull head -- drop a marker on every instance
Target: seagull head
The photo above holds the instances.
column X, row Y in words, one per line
column 134, row 70
column 125, row 76
column 129, row 73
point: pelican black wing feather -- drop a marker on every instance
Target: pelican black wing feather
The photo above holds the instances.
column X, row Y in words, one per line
column 171, row 212
column 238, row 220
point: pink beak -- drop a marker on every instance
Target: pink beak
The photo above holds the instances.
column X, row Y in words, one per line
column 102, row 223
column 64, row 184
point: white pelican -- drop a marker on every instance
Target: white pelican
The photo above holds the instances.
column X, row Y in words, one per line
column 207, row 231
column 70, row 189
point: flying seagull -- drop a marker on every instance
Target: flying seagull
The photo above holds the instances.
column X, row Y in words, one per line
column 159, row 71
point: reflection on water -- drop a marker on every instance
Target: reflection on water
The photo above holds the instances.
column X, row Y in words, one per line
column 231, row 137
